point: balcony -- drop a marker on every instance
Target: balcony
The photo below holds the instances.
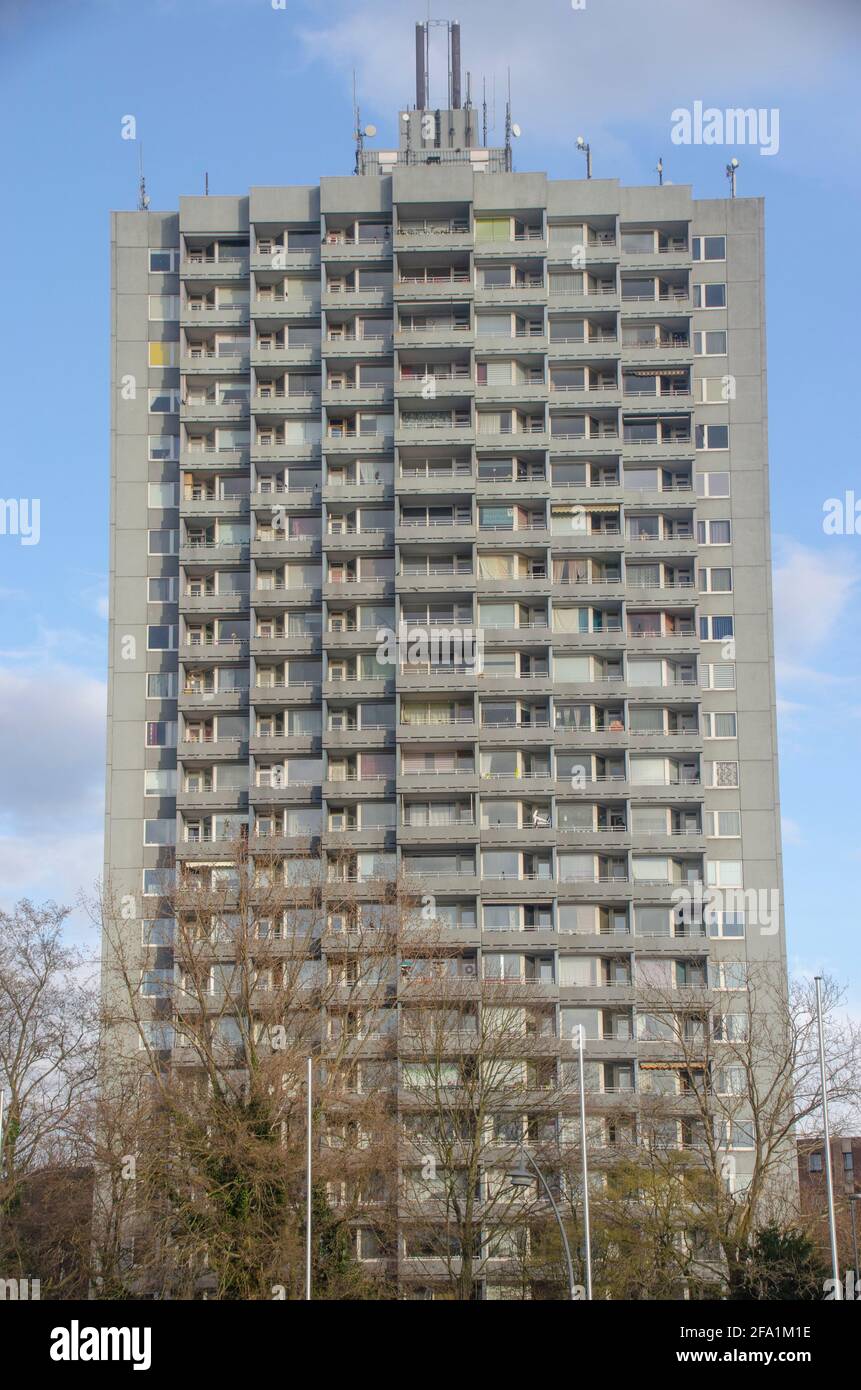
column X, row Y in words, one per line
column 285, row 354
column 358, row 297
column 433, row 285
column 213, row 552
column 442, row 428
column 433, row 333
column 453, row 235
column 285, row 692
column 275, row 403
column 206, row 748
column 214, row 649
column 276, row 309
column 213, row 315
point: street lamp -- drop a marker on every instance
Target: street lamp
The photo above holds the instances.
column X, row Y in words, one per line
column 587, row 150
column 309, row 1187
column 730, row 173
column 520, row 1176
column 854, row 1199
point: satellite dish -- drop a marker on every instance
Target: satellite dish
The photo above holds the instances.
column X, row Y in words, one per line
column 516, row 131
column 370, row 131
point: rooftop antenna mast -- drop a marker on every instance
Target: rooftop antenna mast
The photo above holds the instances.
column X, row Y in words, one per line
column 143, row 196
column 484, row 112
column 422, row 32
column 467, row 106
column 454, row 65
column 357, row 130
column 360, row 132
column 509, row 129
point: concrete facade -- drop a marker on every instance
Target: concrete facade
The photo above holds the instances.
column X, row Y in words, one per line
column 454, row 398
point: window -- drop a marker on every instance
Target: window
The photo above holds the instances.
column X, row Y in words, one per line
column 162, row 542
column 709, row 248
column 163, row 308
column 724, row 873
column 714, row 532
column 716, row 581
column 159, row 931
column 161, row 685
column 163, row 448
column 814, row 1163
column 160, row 832
column 723, row 825
column 710, row 344
column 719, row 725
column 163, row 401
column 158, row 881
column 158, row 1036
column 162, row 589
column 720, row 676
column 712, row 484
column 712, row 436
column 161, row 638
column 727, row 925
column 164, row 262
column 728, row 975
column 710, row 296
column 161, row 734
column 493, row 229
column 714, row 390
column 730, row 1027
column 717, row 628
column 160, row 782
column 731, row 1081
column 722, row 774
column 738, row 1134
column 162, row 354
column 162, row 495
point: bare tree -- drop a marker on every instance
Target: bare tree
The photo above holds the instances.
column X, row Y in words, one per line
column 479, row 1078
column 735, row 1075
column 218, row 1044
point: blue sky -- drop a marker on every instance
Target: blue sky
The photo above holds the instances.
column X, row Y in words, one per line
column 254, row 94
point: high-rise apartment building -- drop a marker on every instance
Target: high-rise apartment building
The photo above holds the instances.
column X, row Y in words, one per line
column 443, row 394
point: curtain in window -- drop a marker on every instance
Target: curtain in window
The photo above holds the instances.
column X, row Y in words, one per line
column 496, row 566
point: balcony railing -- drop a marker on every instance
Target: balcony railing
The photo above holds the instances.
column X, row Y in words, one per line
column 456, row 277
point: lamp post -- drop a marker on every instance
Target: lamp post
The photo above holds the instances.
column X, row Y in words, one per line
column 854, row 1199
column 309, row 1185
column 586, row 149
column 587, row 1237
column 521, row 1177
column 829, row 1175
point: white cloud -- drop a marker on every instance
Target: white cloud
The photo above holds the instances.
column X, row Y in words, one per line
column 812, row 591
column 790, row 831
column 44, row 866
column 614, row 62
column 52, row 746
